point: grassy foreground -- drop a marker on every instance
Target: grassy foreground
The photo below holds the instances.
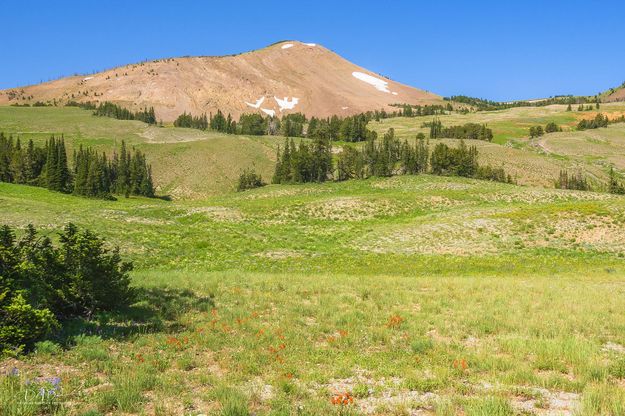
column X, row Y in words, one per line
column 413, row 295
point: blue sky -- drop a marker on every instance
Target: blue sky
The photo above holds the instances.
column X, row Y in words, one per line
column 499, row 50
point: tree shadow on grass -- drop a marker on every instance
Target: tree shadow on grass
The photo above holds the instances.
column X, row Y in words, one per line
column 155, row 310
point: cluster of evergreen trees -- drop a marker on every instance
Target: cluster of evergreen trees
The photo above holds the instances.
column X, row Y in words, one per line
column 189, row 121
column 386, row 157
column 468, row 131
column 253, row 125
column 126, row 173
column 408, row 110
column 578, row 181
column 223, row 124
column 31, row 165
column 575, row 181
column 304, row 162
column 107, row 109
column 586, row 108
column 614, row 186
column 93, row 174
column 537, row 131
column 350, row 129
column 599, row 121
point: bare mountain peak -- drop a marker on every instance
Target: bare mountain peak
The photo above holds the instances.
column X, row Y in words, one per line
column 287, row 76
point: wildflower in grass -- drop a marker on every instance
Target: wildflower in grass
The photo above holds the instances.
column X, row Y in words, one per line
column 175, row 342
column 140, row 358
column 50, row 388
column 254, row 314
column 342, row 399
column 461, row 364
column 260, row 333
column 214, row 312
column 395, row 321
column 342, row 333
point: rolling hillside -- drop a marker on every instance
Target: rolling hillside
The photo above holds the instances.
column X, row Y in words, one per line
column 418, row 295
column 193, row 164
column 281, row 78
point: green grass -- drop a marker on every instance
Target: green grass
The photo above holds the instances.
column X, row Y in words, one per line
column 442, row 294
column 446, row 295
column 535, row 162
column 186, row 163
column 192, row 164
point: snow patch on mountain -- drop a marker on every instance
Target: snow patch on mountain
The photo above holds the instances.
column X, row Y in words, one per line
column 286, row 104
column 258, row 103
column 378, row 84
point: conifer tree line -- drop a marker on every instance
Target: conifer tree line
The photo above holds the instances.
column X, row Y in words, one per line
column 408, row 110
column 480, row 104
column 351, row 128
column 468, row 131
column 577, row 181
column 599, row 121
column 93, row 174
column 108, row 109
column 614, row 185
column 87, row 105
column 386, row 157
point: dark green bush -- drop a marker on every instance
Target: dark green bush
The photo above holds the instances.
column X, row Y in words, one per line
column 41, row 285
column 249, row 180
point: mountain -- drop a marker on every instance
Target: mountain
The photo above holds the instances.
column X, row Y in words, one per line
column 285, row 77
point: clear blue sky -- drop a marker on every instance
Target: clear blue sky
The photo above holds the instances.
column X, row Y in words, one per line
column 500, row 50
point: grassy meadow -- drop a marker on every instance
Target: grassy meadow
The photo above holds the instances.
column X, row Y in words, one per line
column 415, row 295
column 409, row 295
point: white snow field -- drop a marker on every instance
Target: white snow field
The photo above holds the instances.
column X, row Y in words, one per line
column 286, row 104
column 378, row 83
column 287, row 46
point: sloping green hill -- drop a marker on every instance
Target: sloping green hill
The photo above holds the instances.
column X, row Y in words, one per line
column 185, row 162
column 190, row 163
column 535, row 161
column 412, row 294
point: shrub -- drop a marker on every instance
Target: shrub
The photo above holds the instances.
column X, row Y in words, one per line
column 41, row 285
column 249, row 180
column 47, row 348
column 21, row 324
